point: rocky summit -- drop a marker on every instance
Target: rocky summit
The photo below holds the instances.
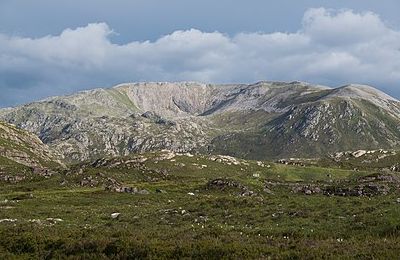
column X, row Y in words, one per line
column 256, row 121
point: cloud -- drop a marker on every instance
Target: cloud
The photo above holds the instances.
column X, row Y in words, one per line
column 331, row 47
column 344, row 27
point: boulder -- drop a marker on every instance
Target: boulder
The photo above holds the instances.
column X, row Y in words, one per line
column 115, row 215
column 226, row 184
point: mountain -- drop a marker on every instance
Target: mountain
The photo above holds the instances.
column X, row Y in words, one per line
column 350, row 117
column 256, row 121
column 22, row 152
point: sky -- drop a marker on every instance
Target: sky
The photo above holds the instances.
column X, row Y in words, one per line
column 60, row 47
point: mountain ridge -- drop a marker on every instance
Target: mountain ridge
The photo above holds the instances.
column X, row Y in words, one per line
column 272, row 118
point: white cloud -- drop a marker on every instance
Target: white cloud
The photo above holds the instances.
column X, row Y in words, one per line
column 331, row 47
column 343, row 27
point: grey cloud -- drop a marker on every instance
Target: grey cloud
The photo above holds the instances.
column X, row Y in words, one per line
column 331, row 47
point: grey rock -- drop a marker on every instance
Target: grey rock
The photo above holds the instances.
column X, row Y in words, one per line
column 143, row 192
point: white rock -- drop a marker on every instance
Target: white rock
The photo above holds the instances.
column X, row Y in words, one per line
column 115, row 215
column 8, row 220
column 359, row 153
column 54, row 219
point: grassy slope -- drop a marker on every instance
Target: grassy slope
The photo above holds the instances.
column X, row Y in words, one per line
column 11, row 167
column 211, row 224
column 17, row 142
column 369, row 162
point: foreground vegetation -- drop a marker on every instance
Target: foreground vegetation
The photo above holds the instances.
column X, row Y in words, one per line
column 184, row 206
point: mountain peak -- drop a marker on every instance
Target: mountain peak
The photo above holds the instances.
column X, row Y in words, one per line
column 361, row 91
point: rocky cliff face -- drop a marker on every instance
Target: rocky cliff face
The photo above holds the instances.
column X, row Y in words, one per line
column 266, row 119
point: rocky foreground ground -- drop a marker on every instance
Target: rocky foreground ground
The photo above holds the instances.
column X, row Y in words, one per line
column 179, row 205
